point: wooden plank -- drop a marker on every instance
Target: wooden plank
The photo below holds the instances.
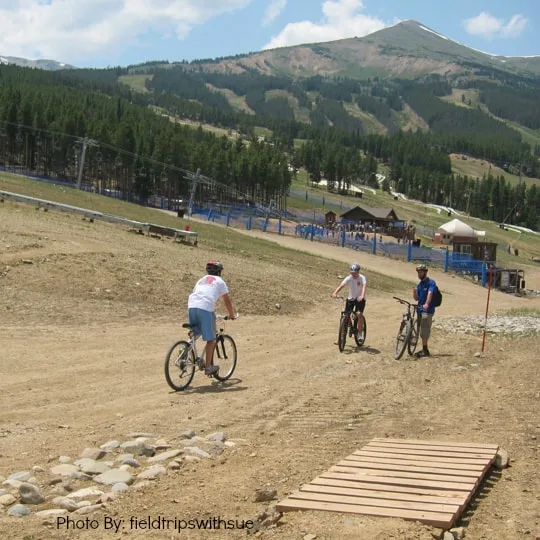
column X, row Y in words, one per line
column 460, row 496
column 390, row 495
column 412, row 448
column 401, row 474
column 413, row 482
column 407, row 468
column 494, row 447
column 412, row 462
column 392, row 455
column 427, row 481
column 435, row 519
column 367, row 501
column 436, row 453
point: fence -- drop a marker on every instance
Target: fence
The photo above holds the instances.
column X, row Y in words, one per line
column 253, row 217
column 444, row 258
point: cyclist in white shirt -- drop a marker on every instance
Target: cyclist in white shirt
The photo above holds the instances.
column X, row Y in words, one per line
column 201, row 306
column 357, row 293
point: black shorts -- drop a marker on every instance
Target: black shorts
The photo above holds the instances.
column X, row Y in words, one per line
column 356, row 305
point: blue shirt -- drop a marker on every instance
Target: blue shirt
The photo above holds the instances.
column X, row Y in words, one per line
column 422, row 290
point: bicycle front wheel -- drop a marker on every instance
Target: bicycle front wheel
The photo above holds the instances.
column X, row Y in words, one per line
column 360, row 338
column 413, row 339
column 342, row 335
column 225, row 357
column 402, row 339
column 179, row 365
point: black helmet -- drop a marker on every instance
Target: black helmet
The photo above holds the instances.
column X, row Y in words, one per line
column 214, row 268
column 422, row 267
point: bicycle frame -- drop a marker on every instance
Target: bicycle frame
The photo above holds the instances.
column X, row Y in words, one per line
column 407, row 337
column 350, row 319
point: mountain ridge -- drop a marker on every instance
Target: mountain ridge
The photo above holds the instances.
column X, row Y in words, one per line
column 409, row 49
column 40, row 63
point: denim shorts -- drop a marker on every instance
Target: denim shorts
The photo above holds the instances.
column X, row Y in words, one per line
column 204, row 321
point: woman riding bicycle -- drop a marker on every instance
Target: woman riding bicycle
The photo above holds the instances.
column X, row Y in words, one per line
column 357, row 293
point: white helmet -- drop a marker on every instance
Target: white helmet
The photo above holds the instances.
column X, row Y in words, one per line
column 355, row 267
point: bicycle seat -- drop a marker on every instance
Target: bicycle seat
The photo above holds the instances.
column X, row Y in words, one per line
column 187, row 325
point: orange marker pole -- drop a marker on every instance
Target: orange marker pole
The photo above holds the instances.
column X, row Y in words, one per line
column 487, row 307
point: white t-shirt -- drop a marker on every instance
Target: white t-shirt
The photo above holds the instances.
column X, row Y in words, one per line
column 207, row 292
column 355, row 285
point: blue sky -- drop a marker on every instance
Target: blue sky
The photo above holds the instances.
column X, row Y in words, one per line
column 99, row 33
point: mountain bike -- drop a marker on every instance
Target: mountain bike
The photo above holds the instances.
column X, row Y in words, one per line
column 182, row 359
column 407, row 336
column 348, row 325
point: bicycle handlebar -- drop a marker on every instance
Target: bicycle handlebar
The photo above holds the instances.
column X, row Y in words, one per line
column 401, row 301
column 226, row 317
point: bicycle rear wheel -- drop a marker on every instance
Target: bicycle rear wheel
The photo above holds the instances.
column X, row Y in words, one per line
column 179, row 365
column 413, row 340
column 225, row 354
column 402, row 339
column 361, row 338
column 342, row 335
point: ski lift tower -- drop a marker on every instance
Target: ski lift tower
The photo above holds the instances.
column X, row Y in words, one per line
column 195, row 180
column 86, row 142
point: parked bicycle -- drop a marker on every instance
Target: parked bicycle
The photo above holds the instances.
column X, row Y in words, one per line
column 182, row 359
column 407, row 337
column 348, row 326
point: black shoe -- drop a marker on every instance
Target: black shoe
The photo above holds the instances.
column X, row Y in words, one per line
column 423, row 353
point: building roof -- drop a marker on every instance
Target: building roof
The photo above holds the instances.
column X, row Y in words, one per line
column 373, row 213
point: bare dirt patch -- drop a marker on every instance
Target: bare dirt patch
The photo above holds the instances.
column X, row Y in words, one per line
column 86, row 322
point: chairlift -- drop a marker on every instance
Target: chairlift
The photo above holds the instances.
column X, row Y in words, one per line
column 118, row 161
column 99, row 157
column 57, row 144
column 142, row 171
column 3, row 132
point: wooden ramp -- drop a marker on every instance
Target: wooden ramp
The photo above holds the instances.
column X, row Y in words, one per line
column 427, row 481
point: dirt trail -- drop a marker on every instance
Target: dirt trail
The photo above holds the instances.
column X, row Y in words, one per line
column 81, row 366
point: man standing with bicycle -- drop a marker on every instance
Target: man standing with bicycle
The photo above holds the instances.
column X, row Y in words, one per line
column 357, row 293
column 201, row 306
column 423, row 294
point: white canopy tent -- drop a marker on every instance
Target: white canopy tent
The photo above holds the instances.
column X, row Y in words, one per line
column 457, row 228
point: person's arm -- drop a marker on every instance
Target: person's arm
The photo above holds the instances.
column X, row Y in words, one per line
column 431, row 290
column 229, row 306
column 341, row 285
column 415, row 293
column 334, row 294
column 363, row 293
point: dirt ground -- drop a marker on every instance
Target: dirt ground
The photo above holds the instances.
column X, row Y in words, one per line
column 88, row 312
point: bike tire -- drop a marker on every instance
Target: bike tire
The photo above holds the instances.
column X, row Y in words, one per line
column 360, row 339
column 402, row 339
column 342, row 334
column 413, row 339
column 226, row 354
column 179, row 364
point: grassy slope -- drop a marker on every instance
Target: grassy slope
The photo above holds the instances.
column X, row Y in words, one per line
column 527, row 243
column 216, row 238
column 135, row 82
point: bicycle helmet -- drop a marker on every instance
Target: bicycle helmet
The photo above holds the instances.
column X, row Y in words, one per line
column 422, row 267
column 214, row 268
column 355, row 267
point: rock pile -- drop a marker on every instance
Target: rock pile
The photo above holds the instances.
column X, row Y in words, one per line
column 496, row 324
column 86, row 484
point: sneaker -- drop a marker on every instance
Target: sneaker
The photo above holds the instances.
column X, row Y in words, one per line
column 423, row 353
column 211, row 370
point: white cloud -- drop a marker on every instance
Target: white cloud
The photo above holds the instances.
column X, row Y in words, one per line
column 484, row 24
column 70, row 30
column 341, row 19
column 273, row 11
